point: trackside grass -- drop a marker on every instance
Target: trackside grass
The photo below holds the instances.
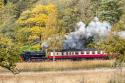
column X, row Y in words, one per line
column 74, row 76
column 63, row 65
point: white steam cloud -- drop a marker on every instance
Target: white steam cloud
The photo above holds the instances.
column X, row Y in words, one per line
column 95, row 29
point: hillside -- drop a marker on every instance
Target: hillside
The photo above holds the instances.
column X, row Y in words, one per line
column 32, row 25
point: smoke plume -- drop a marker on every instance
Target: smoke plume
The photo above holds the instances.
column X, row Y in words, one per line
column 96, row 29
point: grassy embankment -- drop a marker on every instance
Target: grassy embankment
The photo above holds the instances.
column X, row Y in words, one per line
column 64, row 65
column 79, row 76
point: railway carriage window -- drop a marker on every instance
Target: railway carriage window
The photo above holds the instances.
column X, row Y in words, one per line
column 62, row 53
column 56, row 53
column 66, row 53
column 73, row 53
column 82, row 52
column 87, row 52
column 93, row 52
column 98, row 52
column 76, row 53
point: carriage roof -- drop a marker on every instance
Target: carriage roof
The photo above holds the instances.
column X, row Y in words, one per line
column 67, row 50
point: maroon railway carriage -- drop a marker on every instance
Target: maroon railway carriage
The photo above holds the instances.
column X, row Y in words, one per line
column 77, row 54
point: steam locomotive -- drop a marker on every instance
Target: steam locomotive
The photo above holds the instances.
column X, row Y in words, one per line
column 72, row 54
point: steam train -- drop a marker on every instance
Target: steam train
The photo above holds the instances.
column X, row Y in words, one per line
column 72, row 54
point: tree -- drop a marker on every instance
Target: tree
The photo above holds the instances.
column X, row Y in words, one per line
column 70, row 15
column 87, row 9
column 10, row 13
column 120, row 25
column 7, row 22
column 22, row 35
column 42, row 22
column 109, row 10
column 8, row 53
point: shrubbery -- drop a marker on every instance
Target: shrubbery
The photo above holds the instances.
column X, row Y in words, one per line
column 9, row 53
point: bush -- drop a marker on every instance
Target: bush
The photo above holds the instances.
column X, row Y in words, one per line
column 8, row 53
